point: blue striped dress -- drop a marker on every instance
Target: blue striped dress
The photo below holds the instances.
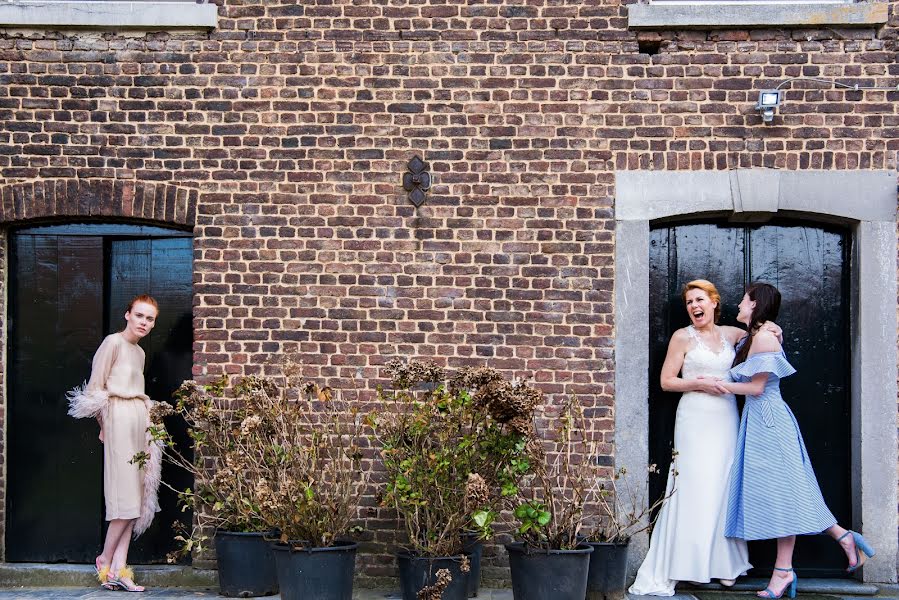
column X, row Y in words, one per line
column 773, row 489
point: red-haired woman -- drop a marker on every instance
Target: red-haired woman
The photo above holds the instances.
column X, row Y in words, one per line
column 115, row 396
column 688, row 541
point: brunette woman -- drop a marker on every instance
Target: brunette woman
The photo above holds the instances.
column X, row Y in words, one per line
column 773, row 489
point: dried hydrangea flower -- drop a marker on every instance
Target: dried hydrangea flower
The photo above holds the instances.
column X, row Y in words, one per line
column 477, row 492
column 435, row 591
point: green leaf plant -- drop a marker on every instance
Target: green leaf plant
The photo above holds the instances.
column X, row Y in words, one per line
column 453, row 451
column 570, row 496
column 553, row 499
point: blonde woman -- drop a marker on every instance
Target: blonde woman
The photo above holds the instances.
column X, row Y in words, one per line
column 115, row 397
column 688, row 541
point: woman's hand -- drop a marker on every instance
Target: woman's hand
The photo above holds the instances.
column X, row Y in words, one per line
column 711, row 385
column 774, row 329
column 101, row 435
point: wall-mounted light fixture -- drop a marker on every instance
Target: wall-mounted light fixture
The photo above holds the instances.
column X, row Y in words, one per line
column 769, row 100
column 417, row 181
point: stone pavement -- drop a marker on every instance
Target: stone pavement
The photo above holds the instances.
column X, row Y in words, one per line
column 60, row 593
column 810, row 589
column 185, row 594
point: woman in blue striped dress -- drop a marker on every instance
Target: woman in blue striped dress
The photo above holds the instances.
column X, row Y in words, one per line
column 773, row 489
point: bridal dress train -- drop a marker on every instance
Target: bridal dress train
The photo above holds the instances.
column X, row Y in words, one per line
column 688, row 542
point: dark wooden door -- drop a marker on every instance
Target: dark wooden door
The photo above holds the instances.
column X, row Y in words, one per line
column 809, row 265
column 69, row 287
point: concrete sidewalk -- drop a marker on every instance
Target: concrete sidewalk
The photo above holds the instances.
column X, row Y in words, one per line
column 809, row 589
column 811, row 593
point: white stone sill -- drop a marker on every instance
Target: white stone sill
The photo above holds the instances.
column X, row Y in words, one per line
column 138, row 14
column 712, row 15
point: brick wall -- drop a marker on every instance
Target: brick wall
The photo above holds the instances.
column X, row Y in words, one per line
column 291, row 125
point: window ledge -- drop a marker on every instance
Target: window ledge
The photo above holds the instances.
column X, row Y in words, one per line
column 106, row 14
column 706, row 15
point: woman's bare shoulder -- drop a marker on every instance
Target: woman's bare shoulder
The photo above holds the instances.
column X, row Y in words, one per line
column 765, row 341
column 681, row 336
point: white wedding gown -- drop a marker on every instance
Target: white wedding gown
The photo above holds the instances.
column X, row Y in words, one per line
column 688, row 542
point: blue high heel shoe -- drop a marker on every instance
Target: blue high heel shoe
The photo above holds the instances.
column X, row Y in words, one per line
column 860, row 544
column 789, row 589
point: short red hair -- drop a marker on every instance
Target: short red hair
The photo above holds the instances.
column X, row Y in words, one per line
column 146, row 299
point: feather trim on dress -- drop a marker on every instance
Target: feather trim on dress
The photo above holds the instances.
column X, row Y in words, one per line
column 152, row 477
column 85, row 403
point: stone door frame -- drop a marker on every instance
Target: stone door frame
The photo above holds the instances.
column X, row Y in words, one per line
column 863, row 200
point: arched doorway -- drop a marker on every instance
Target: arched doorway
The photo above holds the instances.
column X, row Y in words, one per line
column 809, row 264
column 69, row 286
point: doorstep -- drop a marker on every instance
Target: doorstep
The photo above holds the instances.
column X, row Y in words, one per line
column 828, row 587
column 809, row 588
column 46, row 575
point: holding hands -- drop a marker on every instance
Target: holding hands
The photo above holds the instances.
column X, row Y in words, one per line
column 710, row 385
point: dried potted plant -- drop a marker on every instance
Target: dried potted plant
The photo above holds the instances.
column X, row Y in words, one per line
column 621, row 514
column 452, row 454
column 224, row 491
column 288, row 470
column 550, row 560
column 308, row 451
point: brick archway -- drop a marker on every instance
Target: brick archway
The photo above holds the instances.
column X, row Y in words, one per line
column 154, row 203
column 161, row 203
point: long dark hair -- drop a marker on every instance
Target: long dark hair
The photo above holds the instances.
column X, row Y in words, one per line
column 767, row 305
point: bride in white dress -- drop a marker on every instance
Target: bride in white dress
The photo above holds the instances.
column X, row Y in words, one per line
column 688, row 542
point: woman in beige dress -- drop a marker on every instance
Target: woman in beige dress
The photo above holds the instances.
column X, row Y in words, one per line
column 115, row 397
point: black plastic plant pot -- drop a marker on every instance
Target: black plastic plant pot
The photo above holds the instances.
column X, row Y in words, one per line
column 474, row 549
column 316, row 573
column 418, row 572
column 549, row 574
column 246, row 565
column 608, row 571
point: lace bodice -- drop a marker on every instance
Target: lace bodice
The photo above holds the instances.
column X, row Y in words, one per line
column 702, row 360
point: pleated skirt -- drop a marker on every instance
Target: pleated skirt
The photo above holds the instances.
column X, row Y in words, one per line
column 773, row 490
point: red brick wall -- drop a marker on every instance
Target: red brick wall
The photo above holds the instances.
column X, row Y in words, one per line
column 289, row 127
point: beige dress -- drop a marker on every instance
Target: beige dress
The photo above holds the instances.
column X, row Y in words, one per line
column 118, row 369
column 115, row 394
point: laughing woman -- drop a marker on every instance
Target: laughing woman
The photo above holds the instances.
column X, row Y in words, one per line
column 688, row 542
column 115, row 397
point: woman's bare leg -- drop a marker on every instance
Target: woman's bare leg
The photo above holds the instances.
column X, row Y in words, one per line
column 120, row 552
column 847, row 543
column 113, row 534
column 781, row 579
column 120, row 556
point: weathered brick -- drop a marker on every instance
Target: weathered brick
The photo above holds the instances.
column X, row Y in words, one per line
column 282, row 138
